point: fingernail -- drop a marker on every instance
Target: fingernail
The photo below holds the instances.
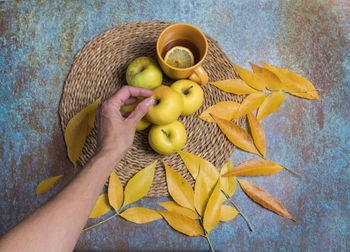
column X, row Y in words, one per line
column 149, row 102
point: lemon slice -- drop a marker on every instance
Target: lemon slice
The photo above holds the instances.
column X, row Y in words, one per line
column 180, row 57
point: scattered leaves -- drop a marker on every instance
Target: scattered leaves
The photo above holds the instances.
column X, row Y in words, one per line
column 225, row 109
column 202, row 191
column 179, row 189
column 140, row 215
column 236, row 134
column 250, row 78
column 182, row 223
column 172, row 206
column 258, row 133
column 250, row 103
column 78, row 128
column 46, row 184
column 138, row 186
column 254, row 167
column 271, row 104
column 228, row 213
column 115, row 191
column 228, row 184
column 264, row 198
column 271, row 81
column 234, row 86
column 101, row 207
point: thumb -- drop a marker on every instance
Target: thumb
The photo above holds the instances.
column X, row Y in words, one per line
column 141, row 110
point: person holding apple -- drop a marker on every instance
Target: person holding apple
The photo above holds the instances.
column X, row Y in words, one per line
column 56, row 225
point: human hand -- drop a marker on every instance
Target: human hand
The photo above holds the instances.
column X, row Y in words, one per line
column 116, row 130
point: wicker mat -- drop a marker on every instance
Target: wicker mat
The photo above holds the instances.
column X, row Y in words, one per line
column 101, row 65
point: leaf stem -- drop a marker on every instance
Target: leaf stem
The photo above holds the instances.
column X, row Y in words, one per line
column 207, row 236
column 240, row 212
column 294, row 172
column 97, row 224
column 289, row 91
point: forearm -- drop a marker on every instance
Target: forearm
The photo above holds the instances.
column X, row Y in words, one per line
column 63, row 217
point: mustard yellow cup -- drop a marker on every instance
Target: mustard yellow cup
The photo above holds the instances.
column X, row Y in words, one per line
column 189, row 33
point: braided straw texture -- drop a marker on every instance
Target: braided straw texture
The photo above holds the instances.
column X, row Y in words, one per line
column 100, row 67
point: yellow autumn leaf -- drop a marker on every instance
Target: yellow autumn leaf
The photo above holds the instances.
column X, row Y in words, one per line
column 101, row 207
column 250, row 78
column 294, row 82
column 140, row 215
column 270, row 105
column 78, row 128
column 257, row 132
column 254, row 167
column 203, row 187
column 179, row 189
column 138, row 186
column 272, row 82
column 182, row 223
column 172, row 206
column 213, row 209
column 234, row 86
column 250, row 103
column 46, row 184
column 225, row 109
column 115, row 191
column 193, row 163
column 236, row 134
column 228, row 184
column 228, row 213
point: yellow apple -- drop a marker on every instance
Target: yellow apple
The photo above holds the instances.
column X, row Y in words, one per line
column 167, row 107
column 143, row 123
column 192, row 95
column 167, row 139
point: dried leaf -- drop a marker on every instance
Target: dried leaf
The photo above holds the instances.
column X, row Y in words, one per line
column 139, row 184
column 101, row 207
column 250, row 103
column 182, row 223
column 202, row 190
column 234, row 86
column 78, row 128
column 179, row 189
column 228, row 213
column 115, row 191
column 213, row 209
column 140, row 215
column 272, row 82
column 236, row 134
column 228, row 184
column 193, row 163
column 271, row 104
column 258, row 133
column 172, row 206
column 254, row 167
column 46, row 184
column 225, row 109
column 250, row 78
column 264, row 198
column 294, row 82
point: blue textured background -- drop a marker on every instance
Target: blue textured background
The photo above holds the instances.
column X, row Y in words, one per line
column 39, row 40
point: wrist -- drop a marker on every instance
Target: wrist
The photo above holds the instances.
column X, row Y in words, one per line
column 109, row 156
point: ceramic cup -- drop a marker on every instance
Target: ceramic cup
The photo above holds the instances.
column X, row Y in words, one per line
column 184, row 32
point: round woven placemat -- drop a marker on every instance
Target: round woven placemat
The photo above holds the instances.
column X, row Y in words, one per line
column 100, row 67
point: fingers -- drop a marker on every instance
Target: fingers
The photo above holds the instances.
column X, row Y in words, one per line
column 130, row 100
column 141, row 110
column 126, row 92
column 125, row 114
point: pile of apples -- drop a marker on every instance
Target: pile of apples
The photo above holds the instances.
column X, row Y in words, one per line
column 184, row 97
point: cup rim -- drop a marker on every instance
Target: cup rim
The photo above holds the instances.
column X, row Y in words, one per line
column 177, row 68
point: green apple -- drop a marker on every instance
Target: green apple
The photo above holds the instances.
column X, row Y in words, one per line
column 143, row 123
column 167, row 107
column 192, row 95
column 167, row 139
column 144, row 72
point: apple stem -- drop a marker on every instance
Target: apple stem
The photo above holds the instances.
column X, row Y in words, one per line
column 186, row 90
column 165, row 133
